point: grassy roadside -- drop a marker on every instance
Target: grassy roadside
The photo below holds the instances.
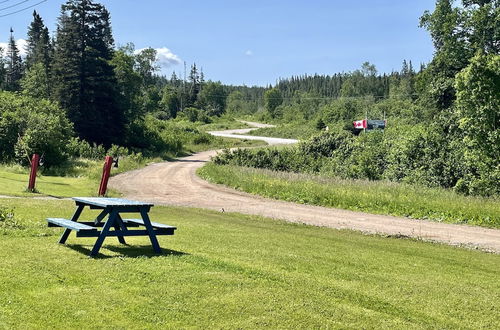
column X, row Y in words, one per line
column 237, row 271
column 223, row 143
column 222, row 123
column 359, row 195
column 299, row 131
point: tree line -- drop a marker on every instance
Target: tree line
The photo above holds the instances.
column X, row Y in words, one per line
column 443, row 121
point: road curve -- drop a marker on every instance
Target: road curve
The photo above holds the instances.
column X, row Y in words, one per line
column 176, row 183
column 240, row 134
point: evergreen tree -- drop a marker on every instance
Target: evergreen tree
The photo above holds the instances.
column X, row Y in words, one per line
column 14, row 69
column 3, row 71
column 84, row 78
column 36, row 81
column 194, row 85
column 38, row 43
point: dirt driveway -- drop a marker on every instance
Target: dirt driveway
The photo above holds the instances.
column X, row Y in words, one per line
column 176, row 183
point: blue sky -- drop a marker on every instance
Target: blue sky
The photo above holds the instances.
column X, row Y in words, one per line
column 256, row 42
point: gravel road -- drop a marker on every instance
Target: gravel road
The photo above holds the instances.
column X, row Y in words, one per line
column 175, row 183
column 240, row 134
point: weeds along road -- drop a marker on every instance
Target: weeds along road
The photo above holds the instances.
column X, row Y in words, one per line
column 176, row 183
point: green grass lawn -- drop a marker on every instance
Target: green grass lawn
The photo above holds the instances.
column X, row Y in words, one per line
column 225, row 270
column 360, row 195
column 15, row 184
column 78, row 177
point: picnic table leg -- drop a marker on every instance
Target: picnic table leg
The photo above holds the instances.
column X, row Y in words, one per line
column 119, row 225
column 149, row 228
column 105, row 230
column 101, row 216
column 67, row 231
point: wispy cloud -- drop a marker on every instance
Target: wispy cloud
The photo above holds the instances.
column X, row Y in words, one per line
column 21, row 46
column 165, row 57
column 249, row 53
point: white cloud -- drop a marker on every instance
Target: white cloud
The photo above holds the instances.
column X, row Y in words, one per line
column 249, row 53
column 165, row 57
column 21, row 46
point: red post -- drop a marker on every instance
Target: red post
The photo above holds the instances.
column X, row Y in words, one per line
column 34, row 167
column 106, row 171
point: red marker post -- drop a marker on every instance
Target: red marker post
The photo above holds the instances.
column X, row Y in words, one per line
column 106, row 171
column 35, row 160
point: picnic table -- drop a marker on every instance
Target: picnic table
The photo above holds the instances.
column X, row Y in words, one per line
column 112, row 208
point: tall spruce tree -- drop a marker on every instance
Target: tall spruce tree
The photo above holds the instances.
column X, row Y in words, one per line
column 38, row 43
column 3, row 71
column 14, row 71
column 36, row 81
column 194, row 85
column 84, row 79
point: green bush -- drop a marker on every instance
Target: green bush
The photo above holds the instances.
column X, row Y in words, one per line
column 327, row 143
column 29, row 125
column 81, row 148
column 416, row 154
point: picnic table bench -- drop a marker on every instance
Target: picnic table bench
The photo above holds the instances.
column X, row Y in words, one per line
column 112, row 208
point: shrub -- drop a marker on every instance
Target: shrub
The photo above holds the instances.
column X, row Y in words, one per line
column 29, row 125
column 327, row 143
column 81, row 148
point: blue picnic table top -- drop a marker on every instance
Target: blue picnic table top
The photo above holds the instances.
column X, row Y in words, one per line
column 107, row 202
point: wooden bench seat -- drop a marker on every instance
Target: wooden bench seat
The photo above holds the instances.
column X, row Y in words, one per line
column 76, row 226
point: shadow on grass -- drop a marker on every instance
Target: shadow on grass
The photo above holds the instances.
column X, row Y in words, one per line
column 55, row 183
column 127, row 251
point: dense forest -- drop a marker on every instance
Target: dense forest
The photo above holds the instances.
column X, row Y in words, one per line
column 75, row 85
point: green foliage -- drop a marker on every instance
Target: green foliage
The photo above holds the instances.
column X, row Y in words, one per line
column 458, row 33
column 236, row 103
column 212, row 98
column 154, row 137
column 362, row 82
column 129, row 82
column 36, row 82
column 84, row 79
column 320, row 124
column 197, row 115
column 346, row 110
column 146, row 65
column 39, row 47
column 272, row 100
column 326, row 144
column 417, row 154
column 478, row 107
column 80, row 148
column 5, row 214
column 14, row 69
column 170, row 102
column 29, row 125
